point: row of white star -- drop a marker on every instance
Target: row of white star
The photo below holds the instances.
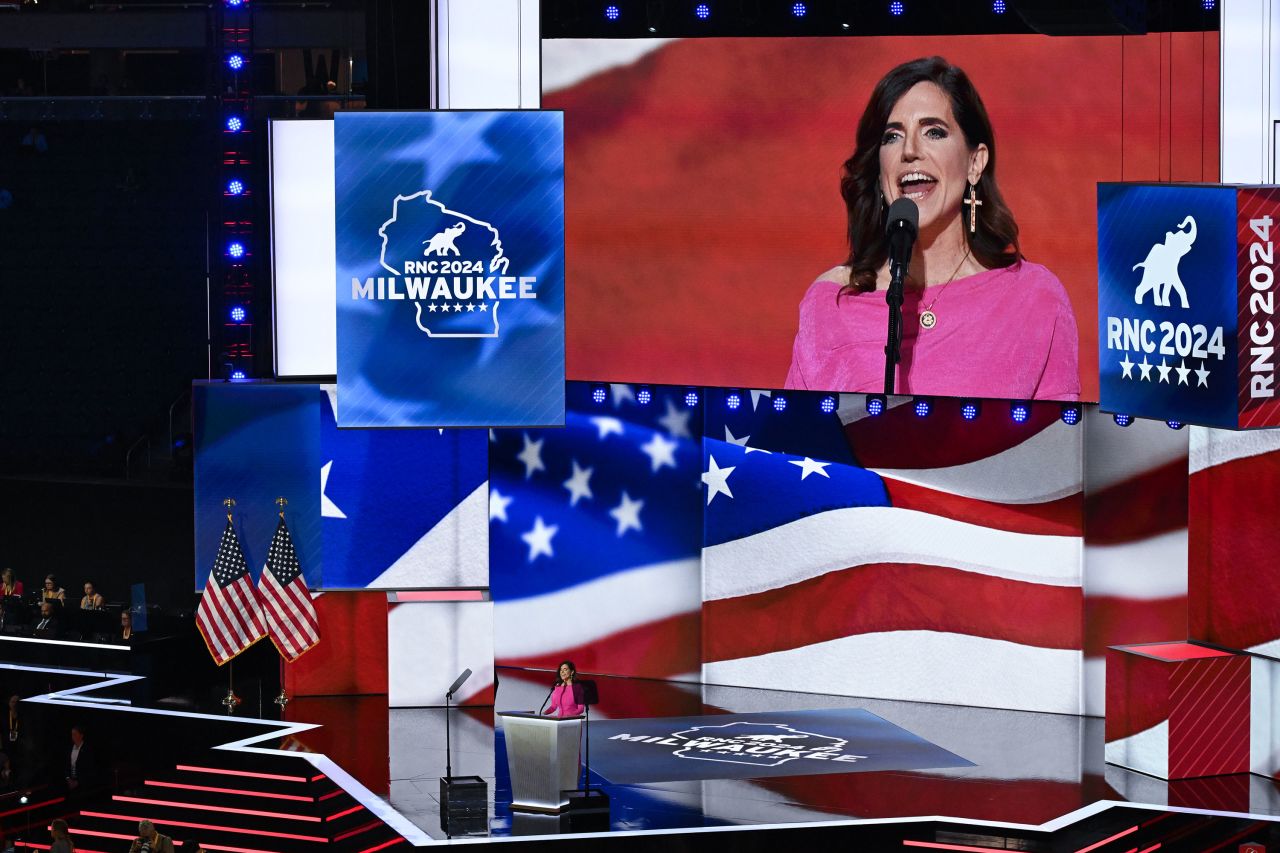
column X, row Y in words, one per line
column 538, row 537
column 717, row 478
column 1202, row 375
column 457, row 307
column 661, row 451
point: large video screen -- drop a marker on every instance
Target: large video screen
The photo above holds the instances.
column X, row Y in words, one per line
column 727, row 199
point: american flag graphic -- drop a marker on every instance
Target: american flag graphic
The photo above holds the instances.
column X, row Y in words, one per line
column 1135, row 554
column 1234, row 577
column 930, row 559
column 286, row 604
column 229, row 616
column 594, row 535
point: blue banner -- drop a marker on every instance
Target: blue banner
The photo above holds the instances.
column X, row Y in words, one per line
column 380, row 509
column 254, row 443
column 754, row 746
column 450, row 268
column 1167, row 302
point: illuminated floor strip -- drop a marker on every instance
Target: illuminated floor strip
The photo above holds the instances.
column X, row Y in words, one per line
column 223, row 772
column 212, row 827
column 266, row 795
column 1108, row 840
column 223, row 809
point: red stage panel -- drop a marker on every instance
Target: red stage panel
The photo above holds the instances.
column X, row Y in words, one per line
column 1178, row 711
column 352, row 656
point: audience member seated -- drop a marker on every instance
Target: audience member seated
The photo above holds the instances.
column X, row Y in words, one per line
column 149, row 840
column 8, row 585
column 47, row 627
column 61, row 837
column 92, row 599
column 126, row 625
column 52, row 591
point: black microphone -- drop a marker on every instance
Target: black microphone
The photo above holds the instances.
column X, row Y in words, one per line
column 548, row 696
column 904, row 225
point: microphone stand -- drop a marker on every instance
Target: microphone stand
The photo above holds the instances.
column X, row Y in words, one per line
column 548, row 696
column 904, row 221
column 893, row 341
column 448, row 744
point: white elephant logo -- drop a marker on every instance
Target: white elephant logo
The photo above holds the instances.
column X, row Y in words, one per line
column 441, row 244
column 1160, row 267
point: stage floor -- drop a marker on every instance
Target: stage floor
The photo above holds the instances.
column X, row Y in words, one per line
column 1027, row 768
column 371, row 773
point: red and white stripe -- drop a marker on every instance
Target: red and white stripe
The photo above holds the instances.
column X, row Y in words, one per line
column 290, row 616
column 643, row 622
column 1135, row 556
column 968, row 590
column 229, row 619
column 1234, row 576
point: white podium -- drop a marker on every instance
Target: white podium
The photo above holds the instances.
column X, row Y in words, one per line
column 542, row 756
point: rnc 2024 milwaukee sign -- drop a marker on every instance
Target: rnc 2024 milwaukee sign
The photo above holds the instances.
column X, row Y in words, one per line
column 752, row 746
column 450, row 291
column 1187, row 303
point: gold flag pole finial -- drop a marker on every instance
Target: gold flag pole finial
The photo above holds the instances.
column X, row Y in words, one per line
column 282, row 503
column 229, row 503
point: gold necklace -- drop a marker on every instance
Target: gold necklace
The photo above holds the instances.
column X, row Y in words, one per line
column 928, row 319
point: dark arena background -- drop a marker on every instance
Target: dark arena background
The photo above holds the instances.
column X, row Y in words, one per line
column 799, row 612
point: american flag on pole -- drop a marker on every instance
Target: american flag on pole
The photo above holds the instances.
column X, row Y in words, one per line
column 229, row 617
column 286, row 603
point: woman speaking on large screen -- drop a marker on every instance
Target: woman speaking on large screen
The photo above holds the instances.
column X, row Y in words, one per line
column 978, row 318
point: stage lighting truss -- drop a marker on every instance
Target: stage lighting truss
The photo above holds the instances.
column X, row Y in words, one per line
column 827, row 404
column 733, row 400
column 644, row 396
column 1122, row 420
column 1070, row 414
column 779, row 403
column 922, row 406
column 691, row 398
column 876, row 404
column 1020, row 411
column 599, row 394
column 970, row 409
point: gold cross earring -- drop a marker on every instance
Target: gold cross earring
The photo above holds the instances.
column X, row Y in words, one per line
column 974, row 204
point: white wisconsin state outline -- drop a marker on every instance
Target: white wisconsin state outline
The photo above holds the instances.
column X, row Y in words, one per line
column 499, row 260
column 840, row 743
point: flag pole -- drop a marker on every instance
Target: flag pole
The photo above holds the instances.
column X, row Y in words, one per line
column 283, row 699
column 231, row 700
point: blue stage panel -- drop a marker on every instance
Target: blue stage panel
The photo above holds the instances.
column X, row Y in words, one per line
column 750, row 746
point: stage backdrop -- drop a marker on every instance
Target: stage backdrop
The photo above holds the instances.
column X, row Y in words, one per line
column 931, row 559
column 703, row 177
column 1135, row 540
column 383, row 509
column 924, row 558
column 1234, row 581
column 594, row 535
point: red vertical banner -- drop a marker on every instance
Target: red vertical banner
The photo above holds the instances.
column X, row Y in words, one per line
column 1258, row 332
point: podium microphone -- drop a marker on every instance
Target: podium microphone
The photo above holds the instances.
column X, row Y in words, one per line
column 903, row 225
column 548, row 696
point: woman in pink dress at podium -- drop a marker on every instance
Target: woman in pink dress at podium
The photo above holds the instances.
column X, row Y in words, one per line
column 562, row 699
